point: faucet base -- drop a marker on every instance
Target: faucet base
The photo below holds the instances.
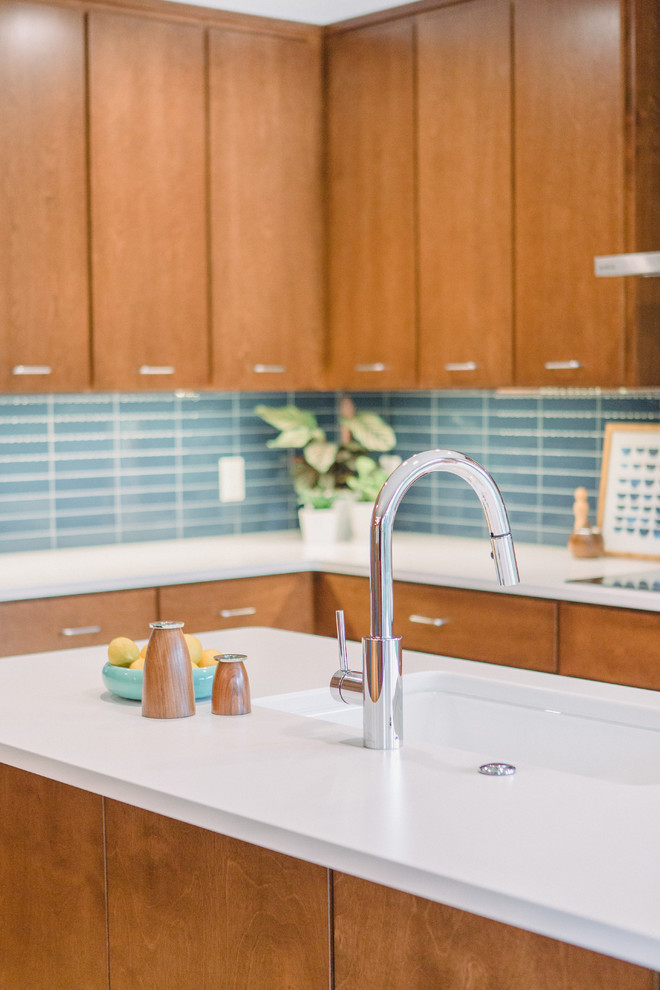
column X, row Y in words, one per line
column 383, row 692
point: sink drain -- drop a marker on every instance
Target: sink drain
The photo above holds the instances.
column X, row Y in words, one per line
column 497, row 769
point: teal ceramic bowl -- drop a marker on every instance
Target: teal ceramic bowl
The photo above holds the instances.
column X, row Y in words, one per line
column 127, row 683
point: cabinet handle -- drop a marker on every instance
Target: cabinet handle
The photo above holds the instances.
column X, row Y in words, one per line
column 269, row 369
column 230, row 613
column 426, row 620
column 562, row 365
column 80, row 630
column 32, row 369
column 377, row 366
column 156, row 369
column 461, row 366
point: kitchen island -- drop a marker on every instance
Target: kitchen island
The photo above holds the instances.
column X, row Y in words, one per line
column 570, row 856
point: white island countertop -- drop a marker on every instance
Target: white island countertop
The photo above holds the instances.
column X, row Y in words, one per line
column 572, row 856
column 545, row 572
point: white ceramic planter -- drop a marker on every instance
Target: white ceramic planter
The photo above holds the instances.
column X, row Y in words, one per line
column 320, row 527
column 360, row 516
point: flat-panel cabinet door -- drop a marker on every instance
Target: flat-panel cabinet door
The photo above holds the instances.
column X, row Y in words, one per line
column 35, row 626
column 44, row 318
column 618, row 645
column 371, row 203
column 266, row 210
column 569, row 167
column 464, row 140
column 148, row 202
column 283, row 601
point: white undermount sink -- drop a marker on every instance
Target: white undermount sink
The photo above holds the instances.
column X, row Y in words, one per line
column 527, row 726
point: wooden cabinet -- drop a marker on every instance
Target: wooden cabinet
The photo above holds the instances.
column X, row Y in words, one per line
column 371, row 203
column 610, row 644
column 417, row 944
column 464, row 146
column 569, row 115
column 474, row 625
column 148, row 202
column 188, row 909
column 52, row 885
column 36, row 626
column 283, row 601
column 266, row 210
column 44, row 320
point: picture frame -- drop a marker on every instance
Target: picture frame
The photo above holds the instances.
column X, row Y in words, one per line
column 629, row 495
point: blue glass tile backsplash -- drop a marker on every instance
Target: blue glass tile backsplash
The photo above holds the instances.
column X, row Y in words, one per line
column 89, row 470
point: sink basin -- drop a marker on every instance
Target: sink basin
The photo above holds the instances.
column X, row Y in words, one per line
column 585, row 734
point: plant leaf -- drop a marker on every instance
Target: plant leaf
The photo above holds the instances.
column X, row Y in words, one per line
column 287, row 418
column 321, row 454
column 371, row 431
column 295, row 436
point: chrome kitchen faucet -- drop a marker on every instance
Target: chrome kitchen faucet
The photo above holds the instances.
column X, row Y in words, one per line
column 379, row 686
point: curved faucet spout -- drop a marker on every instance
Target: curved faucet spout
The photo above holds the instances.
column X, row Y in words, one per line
column 387, row 503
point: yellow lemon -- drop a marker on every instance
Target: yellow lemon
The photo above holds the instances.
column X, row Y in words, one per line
column 122, row 651
column 138, row 664
column 195, row 648
column 207, row 658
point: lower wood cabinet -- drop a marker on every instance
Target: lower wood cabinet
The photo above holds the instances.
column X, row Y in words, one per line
column 283, row 601
column 52, row 885
column 619, row 645
column 99, row 895
column 474, row 625
column 192, row 910
column 388, row 940
column 35, row 626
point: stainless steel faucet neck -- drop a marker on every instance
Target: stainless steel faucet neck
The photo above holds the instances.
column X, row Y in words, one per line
column 381, row 680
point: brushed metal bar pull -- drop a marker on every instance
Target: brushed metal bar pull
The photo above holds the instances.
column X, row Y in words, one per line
column 562, row 365
column 230, row 613
column 156, row 369
column 426, row 620
column 461, row 366
column 377, row 366
column 269, row 369
column 32, row 369
column 80, row 630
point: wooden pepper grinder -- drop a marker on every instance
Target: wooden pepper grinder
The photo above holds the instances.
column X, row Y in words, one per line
column 585, row 540
column 231, row 688
column 167, row 688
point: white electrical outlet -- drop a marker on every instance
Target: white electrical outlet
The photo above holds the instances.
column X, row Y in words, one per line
column 231, row 478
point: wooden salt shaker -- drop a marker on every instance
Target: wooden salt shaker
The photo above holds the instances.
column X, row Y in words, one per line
column 231, row 688
column 167, row 688
column 584, row 541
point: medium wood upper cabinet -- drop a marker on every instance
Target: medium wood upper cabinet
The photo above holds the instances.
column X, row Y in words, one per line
column 43, row 232
column 371, row 197
column 587, row 166
column 148, row 202
column 464, row 142
column 266, row 210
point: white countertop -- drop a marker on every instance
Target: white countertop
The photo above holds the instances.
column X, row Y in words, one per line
column 572, row 857
column 545, row 571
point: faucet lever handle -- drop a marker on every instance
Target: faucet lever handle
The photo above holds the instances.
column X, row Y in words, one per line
column 341, row 637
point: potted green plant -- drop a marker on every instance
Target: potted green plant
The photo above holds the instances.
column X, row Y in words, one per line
column 323, row 469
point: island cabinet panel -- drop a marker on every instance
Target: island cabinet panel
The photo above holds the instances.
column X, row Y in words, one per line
column 189, row 909
column 52, row 885
column 44, row 318
column 148, row 202
column 284, row 601
column 42, row 624
column 618, row 645
column 387, row 939
column 474, row 625
column 371, row 207
column 570, row 191
column 464, row 78
column 266, row 210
